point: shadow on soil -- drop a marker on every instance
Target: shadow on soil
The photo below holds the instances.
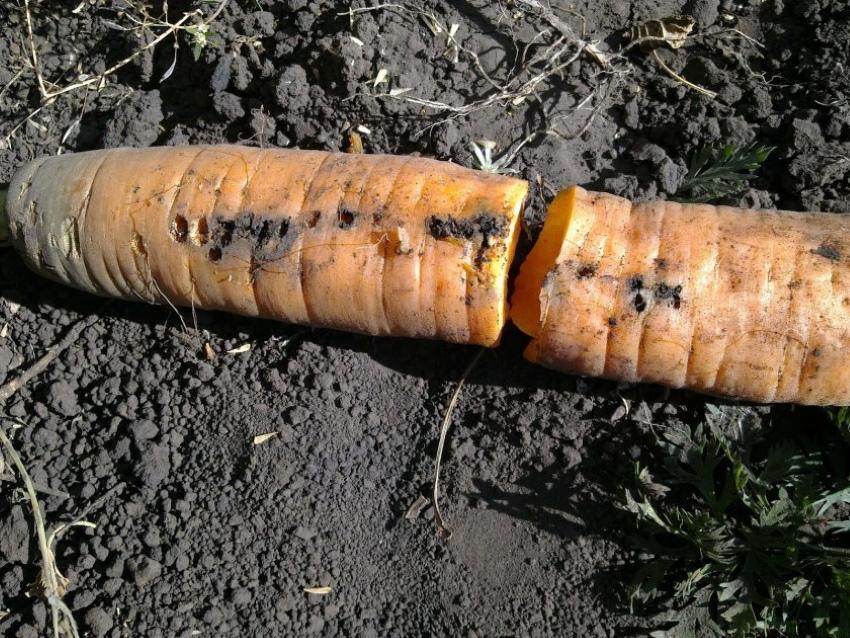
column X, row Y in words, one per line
column 435, row 361
column 580, row 500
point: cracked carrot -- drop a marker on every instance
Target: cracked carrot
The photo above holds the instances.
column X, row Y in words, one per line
column 376, row 244
column 749, row 304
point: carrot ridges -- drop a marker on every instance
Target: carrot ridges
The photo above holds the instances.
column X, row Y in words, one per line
column 732, row 302
column 325, row 239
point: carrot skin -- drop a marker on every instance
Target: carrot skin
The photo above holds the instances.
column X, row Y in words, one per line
column 746, row 304
column 332, row 240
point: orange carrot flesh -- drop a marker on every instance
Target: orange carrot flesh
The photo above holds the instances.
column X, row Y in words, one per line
column 526, row 297
column 374, row 244
column 738, row 303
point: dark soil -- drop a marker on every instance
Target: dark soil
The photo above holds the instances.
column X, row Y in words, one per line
column 201, row 532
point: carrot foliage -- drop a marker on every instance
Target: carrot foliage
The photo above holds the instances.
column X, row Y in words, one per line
column 841, row 419
column 754, row 535
column 714, row 173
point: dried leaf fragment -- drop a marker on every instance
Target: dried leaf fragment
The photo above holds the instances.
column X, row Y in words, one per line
column 170, row 70
column 381, row 77
column 245, row 347
column 209, row 353
column 452, row 51
column 318, row 591
column 416, row 508
column 262, row 438
column 355, row 143
column 671, row 32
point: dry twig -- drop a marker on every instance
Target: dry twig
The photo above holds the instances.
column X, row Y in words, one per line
column 51, row 92
column 9, row 388
column 680, row 79
column 540, row 64
column 170, row 28
column 442, row 528
column 51, row 584
column 536, row 8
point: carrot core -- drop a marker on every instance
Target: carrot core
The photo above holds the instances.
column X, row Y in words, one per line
column 525, row 302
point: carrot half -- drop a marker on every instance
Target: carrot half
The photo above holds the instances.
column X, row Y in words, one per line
column 750, row 304
column 376, row 244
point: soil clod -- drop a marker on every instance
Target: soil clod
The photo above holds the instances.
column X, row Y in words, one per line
column 828, row 251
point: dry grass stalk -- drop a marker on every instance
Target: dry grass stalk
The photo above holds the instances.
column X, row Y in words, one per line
column 540, row 65
column 191, row 22
column 51, row 584
column 9, row 388
column 442, row 528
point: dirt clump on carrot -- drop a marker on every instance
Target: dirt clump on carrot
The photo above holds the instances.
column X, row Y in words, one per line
column 488, row 230
column 749, row 304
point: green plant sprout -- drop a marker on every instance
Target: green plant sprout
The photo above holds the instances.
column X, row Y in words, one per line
column 200, row 36
column 714, row 173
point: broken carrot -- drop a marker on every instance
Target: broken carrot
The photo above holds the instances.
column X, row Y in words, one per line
column 376, row 244
column 750, row 304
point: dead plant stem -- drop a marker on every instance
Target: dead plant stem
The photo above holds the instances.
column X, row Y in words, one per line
column 9, row 388
column 48, row 94
column 442, row 528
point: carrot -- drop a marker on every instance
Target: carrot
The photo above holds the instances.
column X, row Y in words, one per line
column 375, row 244
column 749, row 304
